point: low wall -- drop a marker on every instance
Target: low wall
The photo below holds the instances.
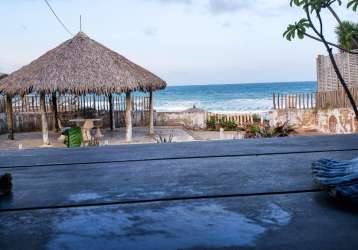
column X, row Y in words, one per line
column 189, row 120
column 27, row 122
column 335, row 121
column 328, row 121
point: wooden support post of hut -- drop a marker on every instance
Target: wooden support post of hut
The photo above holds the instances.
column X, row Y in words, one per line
column 151, row 114
column 55, row 112
column 110, row 100
column 10, row 117
column 128, row 117
column 44, row 123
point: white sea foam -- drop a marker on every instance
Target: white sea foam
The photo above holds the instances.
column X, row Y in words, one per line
column 219, row 106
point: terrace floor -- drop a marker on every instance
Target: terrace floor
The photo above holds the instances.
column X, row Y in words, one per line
column 30, row 140
column 238, row 194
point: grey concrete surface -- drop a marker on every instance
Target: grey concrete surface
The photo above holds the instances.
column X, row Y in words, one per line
column 134, row 181
column 296, row 221
column 51, row 156
column 252, row 194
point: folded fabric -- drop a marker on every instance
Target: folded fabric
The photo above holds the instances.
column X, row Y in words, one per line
column 341, row 177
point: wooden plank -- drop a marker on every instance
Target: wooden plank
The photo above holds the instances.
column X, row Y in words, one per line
column 155, row 180
column 232, row 148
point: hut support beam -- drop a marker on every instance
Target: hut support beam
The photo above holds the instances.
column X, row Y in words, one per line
column 111, row 115
column 10, row 117
column 128, row 117
column 55, row 111
column 44, row 119
column 151, row 114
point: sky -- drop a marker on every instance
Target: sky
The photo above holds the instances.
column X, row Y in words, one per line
column 182, row 41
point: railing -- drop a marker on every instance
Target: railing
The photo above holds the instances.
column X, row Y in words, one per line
column 294, row 101
column 68, row 103
column 318, row 100
column 335, row 99
column 239, row 119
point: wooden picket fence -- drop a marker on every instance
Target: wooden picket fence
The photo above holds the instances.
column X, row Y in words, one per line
column 294, row 101
column 68, row 103
column 239, row 119
column 318, row 100
column 335, row 99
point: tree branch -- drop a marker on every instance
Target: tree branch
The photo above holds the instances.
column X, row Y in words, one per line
column 311, row 24
column 335, row 15
column 336, row 69
column 320, row 24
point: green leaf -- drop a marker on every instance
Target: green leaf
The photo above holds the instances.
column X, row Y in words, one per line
column 353, row 4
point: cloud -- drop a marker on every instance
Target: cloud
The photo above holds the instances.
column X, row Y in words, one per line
column 173, row 1
column 223, row 6
column 150, row 31
column 226, row 24
column 218, row 7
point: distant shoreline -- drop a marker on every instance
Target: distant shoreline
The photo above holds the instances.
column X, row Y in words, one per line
column 242, row 83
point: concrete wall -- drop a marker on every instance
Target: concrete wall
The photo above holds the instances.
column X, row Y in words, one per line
column 329, row 121
column 27, row 122
column 189, row 120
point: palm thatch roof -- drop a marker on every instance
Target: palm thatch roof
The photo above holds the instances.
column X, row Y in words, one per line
column 2, row 76
column 80, row 66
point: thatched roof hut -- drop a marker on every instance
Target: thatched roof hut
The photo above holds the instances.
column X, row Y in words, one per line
column 79, row 66
column 2, row 76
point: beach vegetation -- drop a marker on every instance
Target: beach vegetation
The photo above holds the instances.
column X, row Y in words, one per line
column 256, row 118
column 214, row 125
column 347, row 33
column 313, row 26
column 211, row 123
column 266, row 131
column 164, row 139
column 228, row 125
column 231, row 125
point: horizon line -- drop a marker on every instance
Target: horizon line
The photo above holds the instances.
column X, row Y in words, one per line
column 242, row 83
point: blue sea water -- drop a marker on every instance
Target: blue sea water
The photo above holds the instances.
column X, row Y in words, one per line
column 227, row 98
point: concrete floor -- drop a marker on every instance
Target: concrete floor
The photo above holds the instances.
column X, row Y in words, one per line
column 140, row 135
column 29, row 140
column 237, row 194
column 117, row 137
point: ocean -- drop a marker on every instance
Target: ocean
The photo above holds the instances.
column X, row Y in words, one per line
column 227, row 98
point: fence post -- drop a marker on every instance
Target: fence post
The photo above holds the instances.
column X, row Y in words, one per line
column 151, row 113
column 46, row 140
column 110, row 100
column 10, row 117
column 55, row 111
